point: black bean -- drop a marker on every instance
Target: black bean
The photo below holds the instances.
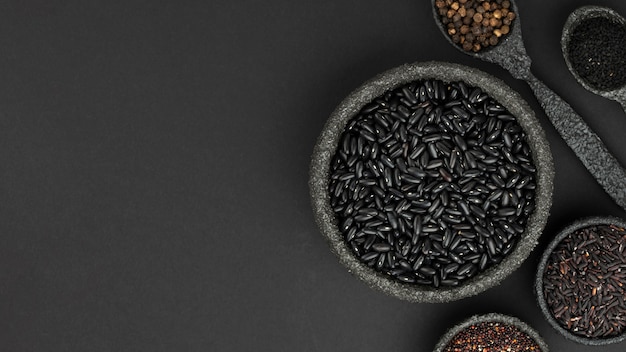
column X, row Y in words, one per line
column 465, row 269
column 381, row 247
column 428, row 271
column 412, row 183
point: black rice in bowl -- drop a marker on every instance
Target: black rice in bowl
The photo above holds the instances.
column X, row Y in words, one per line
column 581, row 281
column 433, row 182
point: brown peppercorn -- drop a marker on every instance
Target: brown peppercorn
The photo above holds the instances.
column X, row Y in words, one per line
column 493, row 40
column 475, row 24
column 476, row 30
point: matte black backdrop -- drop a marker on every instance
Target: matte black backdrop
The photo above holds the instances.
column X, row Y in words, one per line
column 154, row 164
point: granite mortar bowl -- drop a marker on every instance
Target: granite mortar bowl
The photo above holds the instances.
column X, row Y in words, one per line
column 329, row 140
column 539, row 280
column 490, row 318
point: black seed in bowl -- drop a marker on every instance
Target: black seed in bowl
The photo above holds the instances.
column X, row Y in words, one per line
column 432, row 183
column 584, row 281
column 596, row 51
column 448, row 188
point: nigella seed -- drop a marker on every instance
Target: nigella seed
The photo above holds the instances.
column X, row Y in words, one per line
column 411, row 183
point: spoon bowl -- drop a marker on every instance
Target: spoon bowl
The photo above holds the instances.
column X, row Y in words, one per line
column 511, row 54
column 575, row 19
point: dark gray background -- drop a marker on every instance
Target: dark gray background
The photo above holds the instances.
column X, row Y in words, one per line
column 154, row 164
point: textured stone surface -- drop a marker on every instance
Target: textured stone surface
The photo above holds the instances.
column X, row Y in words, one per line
column 586, row 222
column 573, row 20
column 586, row 144
column 329, row 139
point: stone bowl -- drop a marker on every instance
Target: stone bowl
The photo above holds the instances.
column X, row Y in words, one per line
column 329, row 140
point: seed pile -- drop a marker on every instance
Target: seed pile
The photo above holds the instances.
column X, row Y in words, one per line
column 492, row 337
column 432, row 183
column 597, row 52
column 584, row 281
column 475, row 24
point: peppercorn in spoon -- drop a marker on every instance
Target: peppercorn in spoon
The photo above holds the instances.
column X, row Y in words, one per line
column 471, row 25
column 594, row 48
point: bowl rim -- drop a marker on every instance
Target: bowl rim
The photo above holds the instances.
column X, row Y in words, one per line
column 575, row 19
column 486, row 318
column 448, row 72
column 576, row 225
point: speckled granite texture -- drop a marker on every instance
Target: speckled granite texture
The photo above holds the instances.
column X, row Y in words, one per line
column 542, row 266
column 581, row 14
column 492, row 317
column 329, row 139
column 588, row 147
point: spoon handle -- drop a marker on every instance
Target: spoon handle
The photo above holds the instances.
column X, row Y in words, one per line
column 587, row 146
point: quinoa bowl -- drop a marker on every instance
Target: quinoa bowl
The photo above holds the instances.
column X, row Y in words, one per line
column 432, row 182
column 492, row 332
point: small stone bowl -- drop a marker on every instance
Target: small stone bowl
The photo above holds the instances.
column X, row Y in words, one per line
column 491, row 318
column 539, row 280
column 328, row 142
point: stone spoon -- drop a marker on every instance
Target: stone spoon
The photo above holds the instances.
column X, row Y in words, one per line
column 510, row 53
column 602, row 83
